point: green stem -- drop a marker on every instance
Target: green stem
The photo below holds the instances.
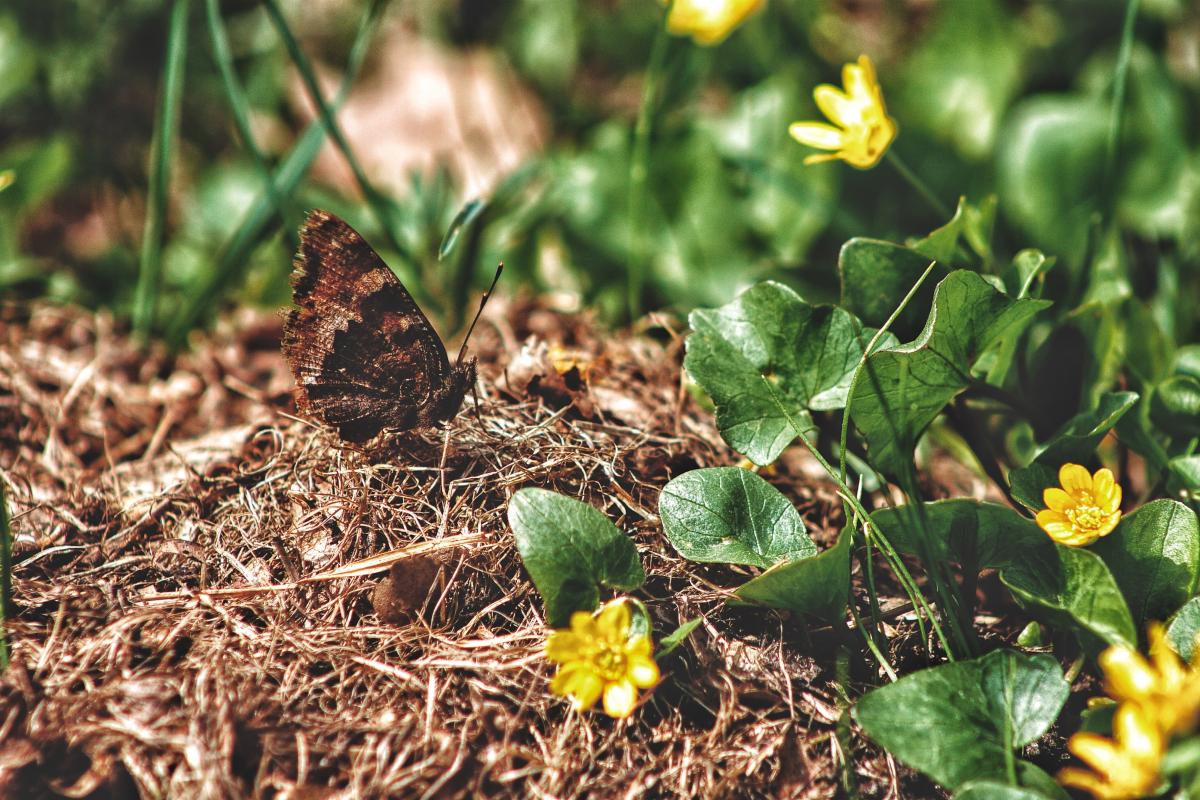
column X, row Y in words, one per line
column 165, row 126
column 238, row 103
column 379, row 204
column 1117, row 117
column 937, row 205
column 870, row 348
column 231, row 262
column 639, row 168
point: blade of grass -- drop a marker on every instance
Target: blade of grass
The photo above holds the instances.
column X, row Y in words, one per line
column 5, row 579
column 639, row 167
column 289, row 174
column 165, row 127
column 1117, row 118
column 240, row 107
column 380, row 205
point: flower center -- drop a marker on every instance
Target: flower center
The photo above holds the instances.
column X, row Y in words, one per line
column 1086, row 514
column 610, row 663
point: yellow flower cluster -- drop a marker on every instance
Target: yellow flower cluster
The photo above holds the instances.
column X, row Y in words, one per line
column 1159, row 698
column 1084, row 509
column 861, row 132
column 598, row 658
column 708, row 22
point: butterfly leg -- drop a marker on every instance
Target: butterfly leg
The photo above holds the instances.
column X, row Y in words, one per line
column 442, row 460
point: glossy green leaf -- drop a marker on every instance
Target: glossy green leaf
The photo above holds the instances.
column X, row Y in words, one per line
column 1184, row 628
column 1175, row 406
column 1185, row 476
column 1154, row 554
column 970, row 223
column 1026, row 267
column 960, row 722
column 465, row 216
column 962, row 530
column 766, row 359
column 731, row 515
column 1072, row 588
column 1050, row 157
column 962, row 74
column 1062, row 586
column 571, row 550
column 1036, row 785
column 675, row 639
column 818, row 586
column 904, row 388
column 875, row 277
column 1075, row 442
column 785, row 203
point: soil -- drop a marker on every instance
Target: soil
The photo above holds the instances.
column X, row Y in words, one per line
column 214, row 598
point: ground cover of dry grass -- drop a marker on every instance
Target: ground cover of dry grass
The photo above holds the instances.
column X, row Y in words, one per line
column 178, row 633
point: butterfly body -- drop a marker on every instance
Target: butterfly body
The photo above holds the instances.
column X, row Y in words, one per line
column 364, row 356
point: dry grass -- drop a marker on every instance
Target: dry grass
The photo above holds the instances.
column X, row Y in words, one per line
column 167, row 644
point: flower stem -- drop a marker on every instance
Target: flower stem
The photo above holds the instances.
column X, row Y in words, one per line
column 937, row 205
column 1117, row 113
column 639, row 168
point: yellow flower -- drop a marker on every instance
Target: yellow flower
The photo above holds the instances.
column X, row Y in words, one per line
column 1124, row 767
column 598, row 659
column 709, row 21
column 1084, row 509
column 7, row 177
column 1166, row 690
column 861, row 130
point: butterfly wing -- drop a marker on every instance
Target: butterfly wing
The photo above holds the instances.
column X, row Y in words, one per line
column 364, row 356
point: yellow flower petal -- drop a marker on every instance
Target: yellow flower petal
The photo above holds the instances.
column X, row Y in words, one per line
column 838, row 106
column 858, row 80
column 862, row 131
column 1139, row 737
column 817, row 134
column 586, row 690
column 821, row 158
column 598, row 659
column 1107, row 527
column 564, row 646
column 643, row 671
column 1089, row 782
column 583, row 624
column 708, row 22
column 1127, row 676
column 1105, row 490
column 620, row 699
column 612, row 623
column 1057, row 500
column 1074, row 478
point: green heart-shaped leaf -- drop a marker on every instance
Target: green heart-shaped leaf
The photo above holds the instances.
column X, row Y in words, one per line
column 1154, row 553
column 1074, row 442
column 1071, row 587
column 819, row 585
column 766, row 359
column 965, row 531
column 730, row 515
column 570, row 550
column 1062, row 586
column 1184, row 628
column 876, row 275
column 903, row 388
column 961, row 722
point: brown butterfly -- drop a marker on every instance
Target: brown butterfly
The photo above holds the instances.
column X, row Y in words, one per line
column 364, row 356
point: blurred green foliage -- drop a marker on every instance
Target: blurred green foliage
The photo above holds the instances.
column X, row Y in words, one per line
column 993, row 98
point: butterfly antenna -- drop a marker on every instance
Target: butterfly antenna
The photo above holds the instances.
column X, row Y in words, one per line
column 462, row 350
